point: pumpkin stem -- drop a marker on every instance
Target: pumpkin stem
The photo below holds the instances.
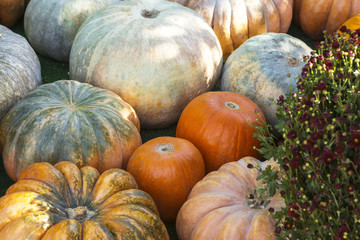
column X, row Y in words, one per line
column 258, row 199
column 232, row 105
column 80, row 213
column 150, row 14
column 293, row 62
column 164, row 148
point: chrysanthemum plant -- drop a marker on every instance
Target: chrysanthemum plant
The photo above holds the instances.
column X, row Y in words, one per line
column 319, row 151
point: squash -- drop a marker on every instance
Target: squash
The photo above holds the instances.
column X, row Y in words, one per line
column 20, row 70
column 70, row 121
column 218, row 207
column 235, row 21
column 316, row 16
column 260, row 69
column 66, row 202
column 157, row 55
column 352, row 23
column 11, row 11
column 167, row 168
column 51, row 25
column 219, row 125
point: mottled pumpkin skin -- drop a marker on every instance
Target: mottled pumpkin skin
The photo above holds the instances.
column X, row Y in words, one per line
column 20, row 70
column 316, row 16
column 260, row 67
column 11, row 11
column 157, row 55
column 235, row 21
column 218, row 124
column 71, row 121
column 167, row 168
column 66, row 202
column 217, row 206
column 51, row 25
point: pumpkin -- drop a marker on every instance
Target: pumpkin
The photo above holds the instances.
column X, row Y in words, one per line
column 51, row 25
column 218, row 206
column 71, row 121
column 316, row 16
column 352, row 23
column 167, row 168
column 20, row 70
column 11, row 11
column 219, row 124
column 236, row 21
column 157, row 55
column 67, row 202
column 263, row 68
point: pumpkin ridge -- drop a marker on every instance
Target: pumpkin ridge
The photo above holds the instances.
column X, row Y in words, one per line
column 60, row 205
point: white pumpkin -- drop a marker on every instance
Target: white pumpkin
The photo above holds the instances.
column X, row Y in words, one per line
column 157, row 55
column 260, row 67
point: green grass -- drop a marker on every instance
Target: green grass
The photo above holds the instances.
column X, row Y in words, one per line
column 52, row 71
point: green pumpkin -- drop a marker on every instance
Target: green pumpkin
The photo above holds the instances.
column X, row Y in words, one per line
column 260, row 67
column 69, row 121
column 51, row 25
column 20, row 70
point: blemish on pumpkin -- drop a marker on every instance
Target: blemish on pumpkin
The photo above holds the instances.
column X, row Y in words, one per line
column 293, row 62
column 158, row 104
column 150, row 13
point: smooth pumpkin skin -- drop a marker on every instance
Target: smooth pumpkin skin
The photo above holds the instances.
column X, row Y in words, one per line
column 218, row 124
column 316, row 16
column 217, row 206
column 260, row 67
column 51, row 25
column 114, row 207
column 20, row 70
column 235, row 21
column 71, row 121
column 11, row 11
column 167, row 168
column 156, row 63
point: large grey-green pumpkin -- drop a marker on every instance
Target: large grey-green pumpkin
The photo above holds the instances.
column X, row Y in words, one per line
column 157, row 55
column 51, row 25
column 69, row 121
column 260, row 67
column 20, row 70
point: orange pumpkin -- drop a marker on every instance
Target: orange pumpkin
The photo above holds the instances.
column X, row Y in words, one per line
column 167, row 168
column 11, row 11
column 218, row 206
column 316, row 16
column 218, row 124
column 236, row 21
column 66, row 202
column 352, row 23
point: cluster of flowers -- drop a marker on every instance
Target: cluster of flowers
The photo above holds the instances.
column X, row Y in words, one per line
column 319, row 152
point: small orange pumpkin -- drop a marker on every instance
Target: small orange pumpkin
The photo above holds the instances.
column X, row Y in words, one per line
column 218, row 124
column 218, row 206
column 66, row 202
column 167, row 168
column 352, row 23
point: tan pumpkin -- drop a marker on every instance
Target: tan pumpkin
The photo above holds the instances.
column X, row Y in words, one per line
column 218, row 206
column 167, row 168
column 234, row 21
column 66, row 202
column 218, row 124
column 316, row 16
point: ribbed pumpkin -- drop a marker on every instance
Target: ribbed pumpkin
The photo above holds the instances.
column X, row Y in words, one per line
column 66, row 202
column 234, row 21
column 70, row 121
column 167, row 168
column 11, row 11
column 157, row 55
column 219, row 125
column 51, row 25
column 218, row 206
column 316, row 16
column 20, row 70
column 260, row 67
